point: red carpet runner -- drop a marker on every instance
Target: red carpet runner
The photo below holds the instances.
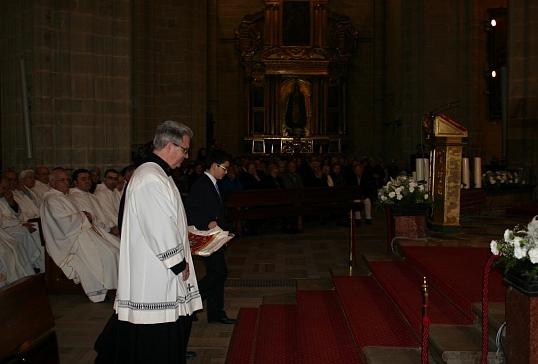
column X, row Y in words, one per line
column 243, row 337
column 457, row 272
column 276, row 338
column 373, row 318
column 403, row 284
column 324, row 332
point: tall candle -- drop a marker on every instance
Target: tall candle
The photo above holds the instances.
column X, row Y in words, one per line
column 419, row 164
column 465, row 173
column 426, row 178
column 477, row 168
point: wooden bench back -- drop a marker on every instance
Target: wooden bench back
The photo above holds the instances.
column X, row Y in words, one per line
column 254, row 198
column 292, row 202
column 291, row 196
column 27, row 322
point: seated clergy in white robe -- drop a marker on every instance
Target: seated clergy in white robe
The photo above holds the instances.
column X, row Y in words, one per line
column 14, row 263
column 41, row 184
column 13, row 223
column 108, row 199
column 85, row 201
column 24, row 196
column 74, row 244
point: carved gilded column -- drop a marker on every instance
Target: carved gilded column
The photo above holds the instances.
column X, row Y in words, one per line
column 446, row 178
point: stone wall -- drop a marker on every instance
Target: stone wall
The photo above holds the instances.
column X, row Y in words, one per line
column 78, row 68
column 169, row 67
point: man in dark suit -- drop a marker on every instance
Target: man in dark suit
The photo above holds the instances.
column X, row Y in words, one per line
column 205, row 211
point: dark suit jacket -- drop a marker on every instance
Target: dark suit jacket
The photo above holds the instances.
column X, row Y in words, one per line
column 203, row 204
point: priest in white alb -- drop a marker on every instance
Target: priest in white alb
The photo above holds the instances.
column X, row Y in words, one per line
column 75, row 245
column 157, row 291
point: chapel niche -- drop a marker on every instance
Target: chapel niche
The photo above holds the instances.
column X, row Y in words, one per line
column 295, row 55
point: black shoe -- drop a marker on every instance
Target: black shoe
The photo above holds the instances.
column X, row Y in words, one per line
column 225, row 320
column 191, row 354
column 357, row 222
column 368, row 221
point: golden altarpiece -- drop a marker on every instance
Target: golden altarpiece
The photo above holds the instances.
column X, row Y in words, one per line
column 295, row 55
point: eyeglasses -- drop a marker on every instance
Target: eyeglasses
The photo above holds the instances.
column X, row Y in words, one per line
column 185, row 150
column 223, row 167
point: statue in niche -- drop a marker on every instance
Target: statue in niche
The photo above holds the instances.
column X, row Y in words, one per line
column 296, row 113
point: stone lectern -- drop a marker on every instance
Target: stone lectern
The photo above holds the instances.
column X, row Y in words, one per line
column 445, row 137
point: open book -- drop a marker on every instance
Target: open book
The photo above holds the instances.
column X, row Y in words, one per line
column 206, row 242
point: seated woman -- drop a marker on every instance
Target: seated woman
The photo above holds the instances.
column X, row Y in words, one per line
column 197, row 172
column 252, row 179
column 272, row 179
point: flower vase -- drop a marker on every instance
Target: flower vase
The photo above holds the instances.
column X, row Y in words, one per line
column 521, row 314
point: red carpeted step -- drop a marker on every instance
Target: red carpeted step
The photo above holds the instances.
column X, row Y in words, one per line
column 458, row 273
column 374, row 320
column 241, row 346
column 324, row 333
column 276, row 337
column 403, row 284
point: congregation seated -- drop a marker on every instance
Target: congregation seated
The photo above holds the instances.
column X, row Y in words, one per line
column 315, row 177
column 75, row 244
column 13, row 223
column 366, row 199
column 197, row 172
column 337, row 176
column 326, row 170
column 252, row 179
column 272, row 179
column 230, row 182
column 291, row 178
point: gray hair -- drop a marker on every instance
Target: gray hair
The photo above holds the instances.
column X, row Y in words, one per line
column 24, row 173
column 52, row 177
column 170, row 131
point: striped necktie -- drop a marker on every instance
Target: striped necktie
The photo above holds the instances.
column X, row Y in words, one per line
column 218, row 190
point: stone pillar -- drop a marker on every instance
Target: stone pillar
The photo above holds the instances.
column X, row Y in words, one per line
column 446, row 178
column 521, row 327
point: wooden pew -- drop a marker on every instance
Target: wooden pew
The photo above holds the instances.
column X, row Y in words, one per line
column 27, row 332
column 290, row 202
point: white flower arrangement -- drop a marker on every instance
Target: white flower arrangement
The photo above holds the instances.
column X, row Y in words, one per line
column 518, row 249
column 403, row 190
column 501, row 179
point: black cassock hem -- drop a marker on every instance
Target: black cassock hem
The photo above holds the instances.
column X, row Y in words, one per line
column 125, row 342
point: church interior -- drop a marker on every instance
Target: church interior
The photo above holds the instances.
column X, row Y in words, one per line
column 84, row 84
